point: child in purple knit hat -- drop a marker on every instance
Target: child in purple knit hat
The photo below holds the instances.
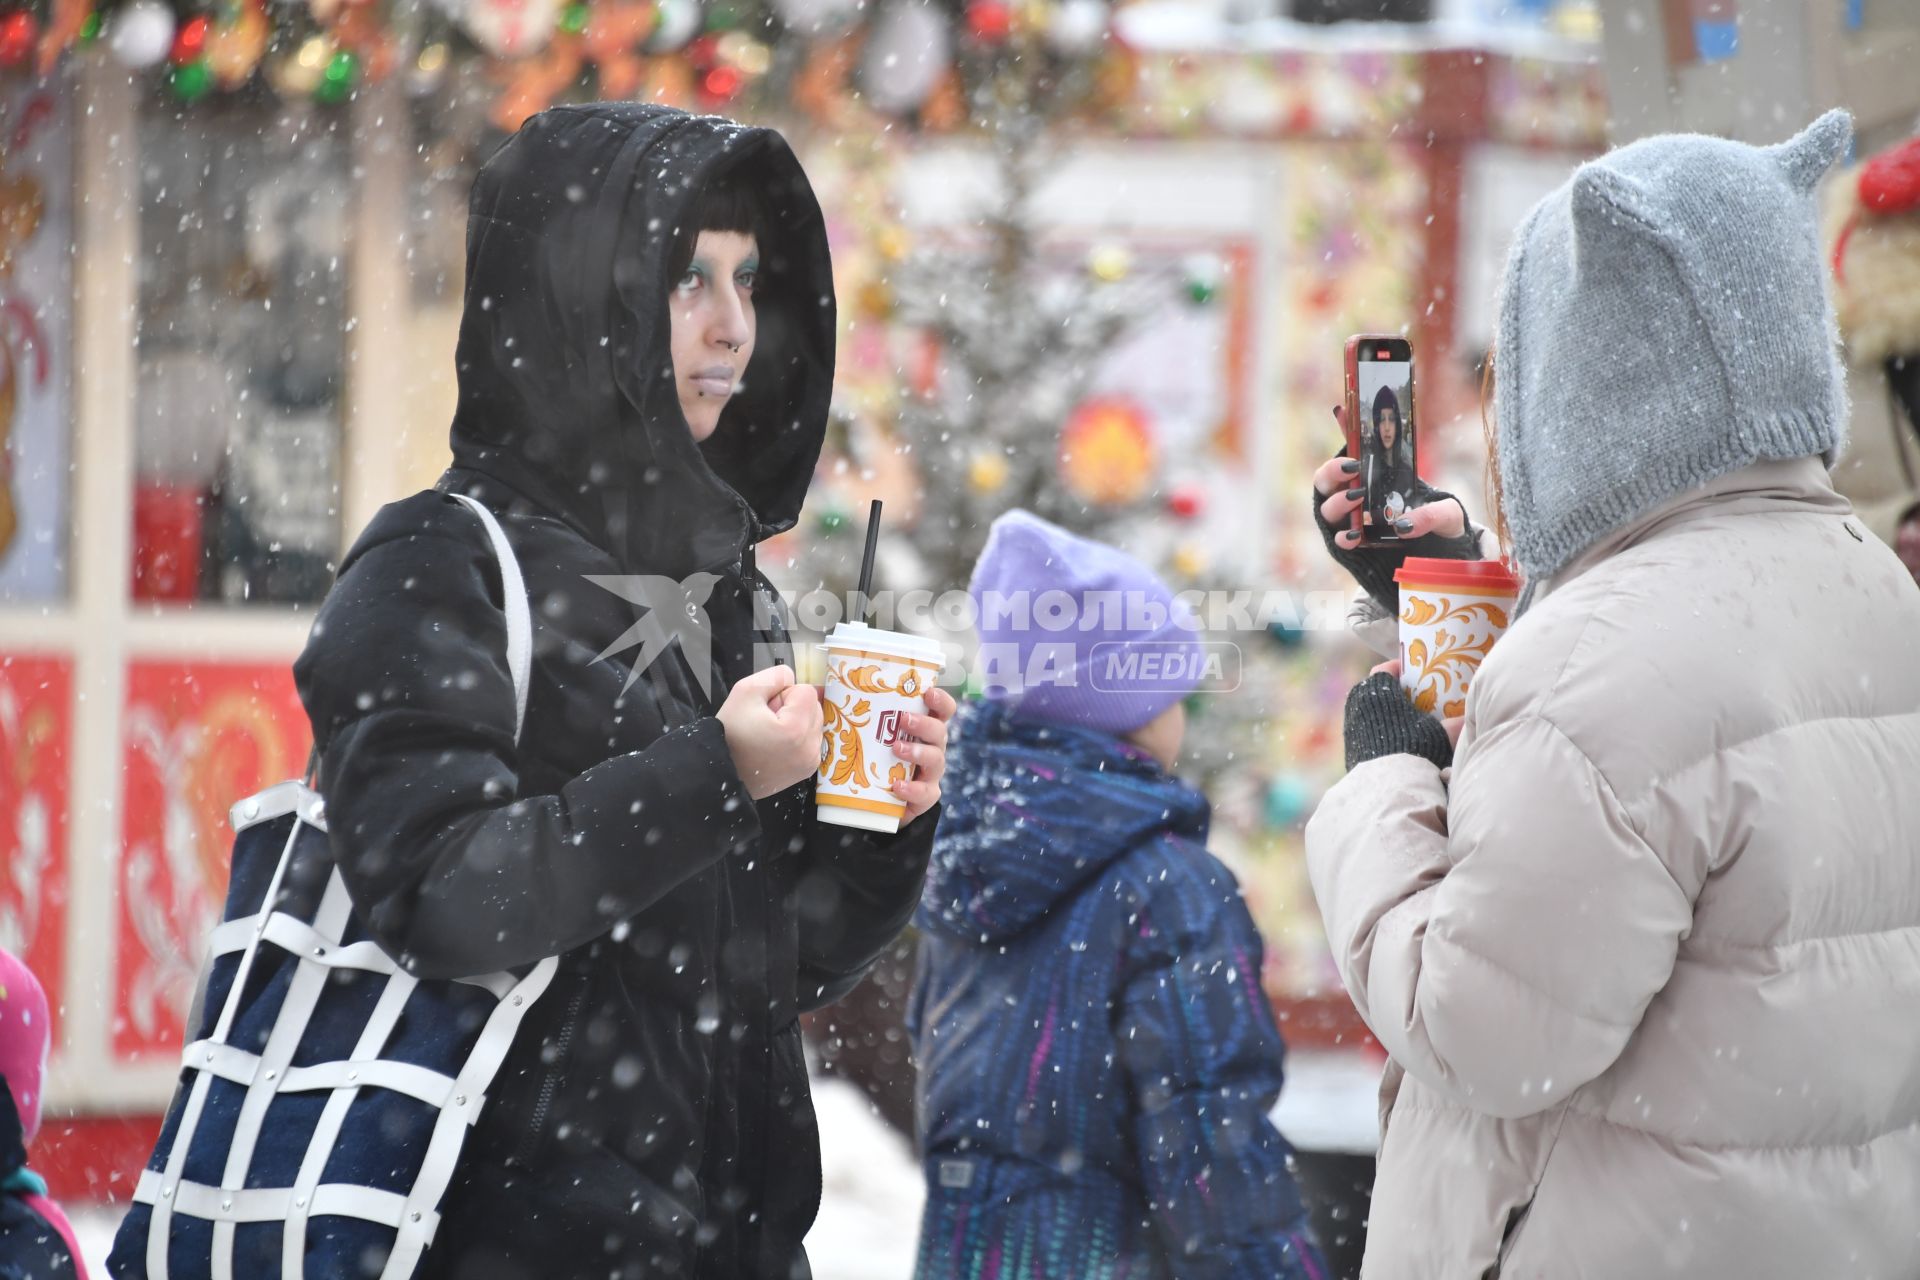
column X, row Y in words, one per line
column 1097, row 1058
column 1076, row 632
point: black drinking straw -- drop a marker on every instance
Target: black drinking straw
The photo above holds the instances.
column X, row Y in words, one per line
column 866, row 561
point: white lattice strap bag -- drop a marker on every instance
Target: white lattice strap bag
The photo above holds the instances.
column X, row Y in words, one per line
column 323, row 1105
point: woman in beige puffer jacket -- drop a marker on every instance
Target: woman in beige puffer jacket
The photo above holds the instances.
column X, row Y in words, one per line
column 1647, row 960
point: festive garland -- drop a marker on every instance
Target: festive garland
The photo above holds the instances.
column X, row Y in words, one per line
column 902, row 58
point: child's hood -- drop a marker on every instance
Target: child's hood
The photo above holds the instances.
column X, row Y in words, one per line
column 567, row 391
column 1033, row 812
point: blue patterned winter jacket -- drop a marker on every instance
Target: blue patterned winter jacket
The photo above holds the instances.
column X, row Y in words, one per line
column 1097, row 1060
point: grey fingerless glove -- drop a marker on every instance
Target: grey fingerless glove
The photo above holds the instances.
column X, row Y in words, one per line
column 1382, row 721
column 1374, row 569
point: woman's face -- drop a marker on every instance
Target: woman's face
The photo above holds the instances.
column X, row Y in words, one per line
column 1389, row 428
column 713, row 325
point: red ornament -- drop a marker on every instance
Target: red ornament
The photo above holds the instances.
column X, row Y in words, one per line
column 1106, row 452
column 722, row 83
column 167, row 536
column 990, row 21
column 191, row 41
column 705, row 51
column 1890, row 182
column 1186, row 502
column 18, row 34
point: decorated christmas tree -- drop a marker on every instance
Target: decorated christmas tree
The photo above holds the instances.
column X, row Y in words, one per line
column 1018, row 333
column 996, row 334
column 1002, row 334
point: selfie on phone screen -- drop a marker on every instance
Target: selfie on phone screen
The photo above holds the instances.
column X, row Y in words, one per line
column 1385, row 398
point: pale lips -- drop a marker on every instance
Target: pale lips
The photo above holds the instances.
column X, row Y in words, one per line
column 715, row 380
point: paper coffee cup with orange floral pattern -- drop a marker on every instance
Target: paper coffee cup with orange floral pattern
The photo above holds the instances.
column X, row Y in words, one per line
column 1451, row 612
column 875, row 680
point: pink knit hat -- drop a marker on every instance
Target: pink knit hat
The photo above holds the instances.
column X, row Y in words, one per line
column 24, row 1035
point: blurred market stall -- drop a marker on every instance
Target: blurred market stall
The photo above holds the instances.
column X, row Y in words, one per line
column 1095, row 260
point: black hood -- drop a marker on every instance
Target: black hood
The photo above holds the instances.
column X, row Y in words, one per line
column 566, row 374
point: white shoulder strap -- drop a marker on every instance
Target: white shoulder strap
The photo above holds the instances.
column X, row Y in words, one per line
column 513, row 591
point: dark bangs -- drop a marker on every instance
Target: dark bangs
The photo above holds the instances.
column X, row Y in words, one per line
column 732, row 203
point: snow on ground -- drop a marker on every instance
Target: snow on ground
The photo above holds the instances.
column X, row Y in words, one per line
column 869, row 1208
column 1331, row 1102
column 95, row 1228
column 869, row 1221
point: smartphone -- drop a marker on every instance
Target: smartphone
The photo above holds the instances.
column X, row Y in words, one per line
column 1380, row 431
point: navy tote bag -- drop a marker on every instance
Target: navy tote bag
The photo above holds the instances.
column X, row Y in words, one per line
column 326, row 1093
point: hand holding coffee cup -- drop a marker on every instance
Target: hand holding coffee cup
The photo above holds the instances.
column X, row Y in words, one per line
column 923, row 745
column 1452, row 724
column 773, row 730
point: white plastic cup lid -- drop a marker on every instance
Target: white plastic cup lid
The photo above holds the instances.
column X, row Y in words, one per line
column 901, row 644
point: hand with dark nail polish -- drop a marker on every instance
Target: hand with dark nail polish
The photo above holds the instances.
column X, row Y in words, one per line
column 1427, row 529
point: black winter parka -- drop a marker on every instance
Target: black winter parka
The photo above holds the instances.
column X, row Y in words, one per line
column 653, row 1118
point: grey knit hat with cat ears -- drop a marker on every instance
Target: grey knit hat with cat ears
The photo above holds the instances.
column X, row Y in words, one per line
column 1663, row 321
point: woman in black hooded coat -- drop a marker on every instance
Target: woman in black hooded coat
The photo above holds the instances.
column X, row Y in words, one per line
column 653, row 1117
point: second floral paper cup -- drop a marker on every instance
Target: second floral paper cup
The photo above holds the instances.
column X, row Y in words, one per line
column 875, row 679
column 1451, row 612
